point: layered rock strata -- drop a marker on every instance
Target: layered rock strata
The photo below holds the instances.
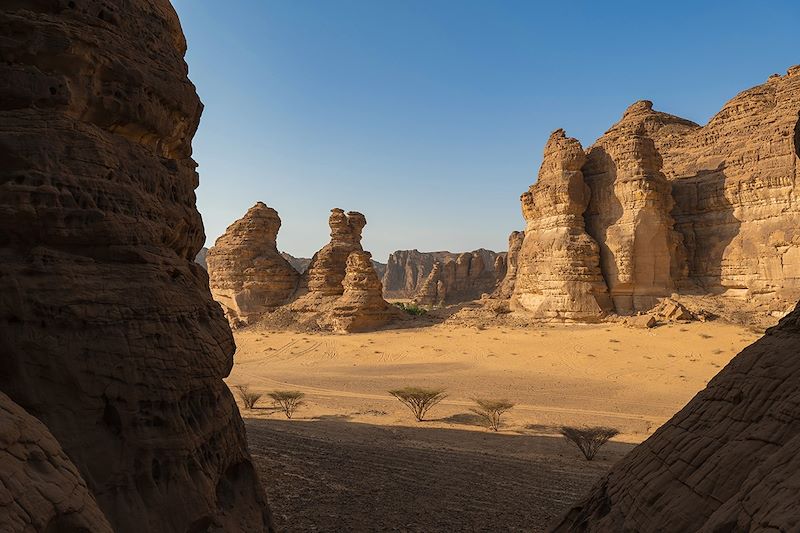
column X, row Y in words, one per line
column 108, row 333
column 247, row 274
column 361, row 306
column 511, row 263
column 327, row 268
column 726, row 462
column 680, row 208
column 558, row 274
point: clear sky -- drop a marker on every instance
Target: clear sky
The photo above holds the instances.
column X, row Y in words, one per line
column 430, row 116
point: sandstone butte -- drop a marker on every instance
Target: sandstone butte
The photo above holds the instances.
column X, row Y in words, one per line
column 667, row 207
column 339, row 290
column 113, row 413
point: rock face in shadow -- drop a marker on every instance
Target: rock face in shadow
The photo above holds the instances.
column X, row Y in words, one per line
column 711, row 210
column 629, row 215
column 108, row 333
column 361, row 306
column 558, row 274
column 247, row 274
column 464, row 276
column 727, row 461
column 40, row 488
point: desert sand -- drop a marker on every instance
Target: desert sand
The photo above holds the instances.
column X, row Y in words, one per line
column 364, row 447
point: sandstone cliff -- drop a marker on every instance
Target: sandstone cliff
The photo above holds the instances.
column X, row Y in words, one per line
column 726, row 462
column 298, row 263
column 680, row 208
column 558, row 274
column 465, row 277
column 470, row 275
column 108, row 333
column 247, row 274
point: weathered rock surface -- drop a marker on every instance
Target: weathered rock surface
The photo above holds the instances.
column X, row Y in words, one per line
column 511, row 264
column 629, row 215
column 247, row 275
column 298, row 263
column 727, row 461
column 680, row 208
column 361, row 306
column 327, row 268
column 470, row 275
column 108, row 332
column 40, row 488
column 558, row 272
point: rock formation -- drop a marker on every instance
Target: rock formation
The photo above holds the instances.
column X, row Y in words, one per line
column 470, row 275
column 558, row 274
column 327, row 268
column 465, row 277
column 108, row 333
column 629, row 215
column 680, row 208
column 511, row 262
column 40, row 488
column 361, row 306
column 247, row 274
column 726, row 462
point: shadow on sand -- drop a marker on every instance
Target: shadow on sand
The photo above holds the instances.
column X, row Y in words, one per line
column 330, row 474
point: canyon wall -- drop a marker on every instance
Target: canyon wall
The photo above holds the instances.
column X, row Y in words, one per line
column 464, row 276
column 108, row 333
column 680, row 208
column 726, row 462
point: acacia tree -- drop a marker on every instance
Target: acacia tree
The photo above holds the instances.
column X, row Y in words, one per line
column 588, row 440
column 248, row 397
column 491, row 411
column 287, row 400
column 418, row 399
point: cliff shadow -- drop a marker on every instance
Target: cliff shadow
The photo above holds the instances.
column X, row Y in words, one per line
column 337, row 475
column 705, row 218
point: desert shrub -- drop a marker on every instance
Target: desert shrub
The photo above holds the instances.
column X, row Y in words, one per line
column 287, row 400
column 411, row 309
column 491, row 411
column 248, row 397
column 418, row 399
column 588, row 440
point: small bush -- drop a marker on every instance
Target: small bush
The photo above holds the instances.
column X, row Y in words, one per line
column 248, row 397
column 491, row 411
column 588, row 440
column 287, row 400
column 418, row 399
column 411, row 309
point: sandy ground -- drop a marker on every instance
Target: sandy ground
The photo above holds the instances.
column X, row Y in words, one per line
column 354, row 459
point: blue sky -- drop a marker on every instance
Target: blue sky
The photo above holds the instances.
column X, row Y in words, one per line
column 430, row 116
